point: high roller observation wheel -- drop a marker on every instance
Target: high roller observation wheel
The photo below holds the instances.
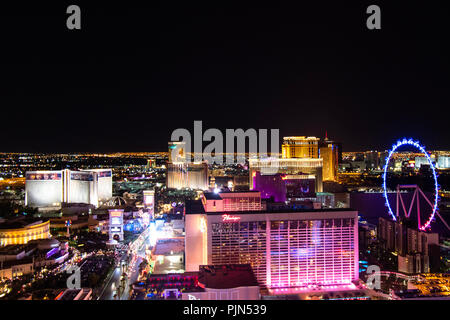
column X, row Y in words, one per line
column 417, row 145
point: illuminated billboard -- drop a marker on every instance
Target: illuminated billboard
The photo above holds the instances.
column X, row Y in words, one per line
column 116, row 224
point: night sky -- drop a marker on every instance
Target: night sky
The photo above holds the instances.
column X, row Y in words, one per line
column 133, row 74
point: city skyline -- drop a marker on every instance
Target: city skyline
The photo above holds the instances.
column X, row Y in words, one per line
column 246, row 154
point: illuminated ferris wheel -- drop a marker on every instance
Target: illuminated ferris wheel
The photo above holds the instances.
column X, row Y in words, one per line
column 417, row 191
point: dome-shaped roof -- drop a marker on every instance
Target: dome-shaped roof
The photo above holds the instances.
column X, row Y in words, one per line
column 118, row 201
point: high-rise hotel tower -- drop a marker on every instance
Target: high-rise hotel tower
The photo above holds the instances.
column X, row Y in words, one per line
column 286, row 248
column 182, row 173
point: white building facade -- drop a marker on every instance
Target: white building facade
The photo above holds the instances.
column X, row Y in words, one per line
column 52, row 188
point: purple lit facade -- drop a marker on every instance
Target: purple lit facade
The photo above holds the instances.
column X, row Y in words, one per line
column 283, row 187
column 292, row 249
column 270, row 186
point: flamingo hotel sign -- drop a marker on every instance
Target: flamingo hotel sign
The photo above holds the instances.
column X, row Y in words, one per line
column 230, row 218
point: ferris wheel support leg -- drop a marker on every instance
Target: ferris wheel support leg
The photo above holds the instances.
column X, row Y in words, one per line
column 418, row 207
column 398, row 195
column 415, row 194
column 403, row 204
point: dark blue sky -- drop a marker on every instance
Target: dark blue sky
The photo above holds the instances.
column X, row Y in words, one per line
column 133, row 74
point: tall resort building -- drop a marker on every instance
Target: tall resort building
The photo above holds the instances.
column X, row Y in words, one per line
column 286, row 248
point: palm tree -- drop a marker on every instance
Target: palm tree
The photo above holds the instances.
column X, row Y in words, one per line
column 143, row 265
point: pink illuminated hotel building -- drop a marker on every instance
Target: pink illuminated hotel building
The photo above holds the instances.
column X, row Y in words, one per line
column 286, row 248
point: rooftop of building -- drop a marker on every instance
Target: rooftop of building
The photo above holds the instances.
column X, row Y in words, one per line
column 15, row 249
column 172, row 276
column 50, row 242
column 218, row 195
column 169, row 246
column 212, row 196
column 301, row 138
column 227, row 276
column 19, row 222
column 10, row 263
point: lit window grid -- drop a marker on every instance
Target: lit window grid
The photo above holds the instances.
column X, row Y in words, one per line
column 234, row 243
column 242, row 204
column 329, row 261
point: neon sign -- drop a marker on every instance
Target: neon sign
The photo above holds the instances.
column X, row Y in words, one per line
column 117, row 213
column 230, row 218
